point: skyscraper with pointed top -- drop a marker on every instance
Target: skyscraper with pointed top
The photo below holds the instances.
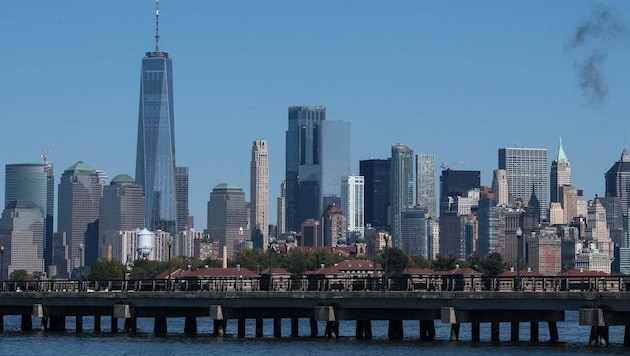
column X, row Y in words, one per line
column 560, row 173
column 155, row 159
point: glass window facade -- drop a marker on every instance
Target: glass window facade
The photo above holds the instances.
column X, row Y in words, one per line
column 155, row 159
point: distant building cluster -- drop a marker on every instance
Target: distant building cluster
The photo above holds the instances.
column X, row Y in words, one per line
column 531, row 213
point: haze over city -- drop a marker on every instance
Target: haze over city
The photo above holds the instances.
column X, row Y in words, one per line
column 459, row 80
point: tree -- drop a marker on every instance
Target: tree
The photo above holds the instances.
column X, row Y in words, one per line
column 145, row 269
column 493, row 265
column 295, row 262
column 105, row 270
column 397, row 261
column 419, row 262
column 444, row 263
column 20, row 275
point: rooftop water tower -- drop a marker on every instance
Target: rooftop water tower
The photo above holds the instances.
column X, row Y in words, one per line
column 145, row 243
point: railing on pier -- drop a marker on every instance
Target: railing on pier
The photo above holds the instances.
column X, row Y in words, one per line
column 417, row 284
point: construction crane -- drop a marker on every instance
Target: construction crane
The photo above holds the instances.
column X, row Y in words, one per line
column 445, row 166
column 45, row 154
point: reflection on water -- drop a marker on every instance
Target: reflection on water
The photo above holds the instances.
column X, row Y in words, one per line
column 573, row 337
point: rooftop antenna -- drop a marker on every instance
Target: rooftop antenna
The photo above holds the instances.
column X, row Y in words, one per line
column 157, row 27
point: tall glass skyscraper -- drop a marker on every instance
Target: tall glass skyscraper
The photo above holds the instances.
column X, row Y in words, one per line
column 155, row 159
column 401, row 188
column 35, row 183
column 302, row 164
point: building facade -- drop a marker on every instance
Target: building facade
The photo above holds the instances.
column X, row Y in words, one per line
column 181, row 196
column 22, row 236
column 36, row 183
column 228, row 216
column 560, row 174
column 527, row 168
column 455, row 184
column 617, row 180
column 425, row 183
column 259, row 193
column 500, row 187
column 376, row 175
column 414, row 232
column 352, row 195
column 302, row 160
column 78, row 214
column 122, row 209
column 401, row 191
column 155, row 158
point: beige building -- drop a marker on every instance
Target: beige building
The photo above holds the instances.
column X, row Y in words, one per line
column 259, row 195
column 500, row 187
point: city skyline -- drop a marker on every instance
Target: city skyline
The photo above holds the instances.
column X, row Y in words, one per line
column 407, row 85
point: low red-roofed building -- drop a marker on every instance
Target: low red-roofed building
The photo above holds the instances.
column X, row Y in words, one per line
column 506, row 281
column 346, row 275
column 462, row 279
column 214, row 279
column 422, row 279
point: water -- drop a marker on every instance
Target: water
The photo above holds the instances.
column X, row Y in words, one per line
column 574, row 339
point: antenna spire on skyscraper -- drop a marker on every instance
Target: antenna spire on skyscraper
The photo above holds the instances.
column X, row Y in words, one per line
column 157, row 27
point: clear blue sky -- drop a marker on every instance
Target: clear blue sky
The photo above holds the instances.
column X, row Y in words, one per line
column 459, row 79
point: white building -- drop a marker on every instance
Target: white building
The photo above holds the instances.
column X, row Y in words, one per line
column 353, row 207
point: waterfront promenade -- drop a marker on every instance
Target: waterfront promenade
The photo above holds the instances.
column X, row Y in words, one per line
column 597, row 309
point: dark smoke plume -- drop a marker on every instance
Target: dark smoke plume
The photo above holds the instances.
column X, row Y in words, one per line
column 592, row 38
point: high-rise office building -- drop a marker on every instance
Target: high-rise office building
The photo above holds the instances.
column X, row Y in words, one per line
column 618, row 181
column 455, row 184
column 78, row 213
column 181, row 194
column 122, row 209
column 414, row 232
column 36, row 183
column 228, row 216
column 282, row 217
column 425, row 183
column 302, row 162
column 352, row 195
column 376, row 175
column 488, row 222
column 500, row 187
column 155, row 159
column 527, row 168
column 259, row 193
column 335, row 161
column 22, row 236
column 401, row 193
column 560, row 174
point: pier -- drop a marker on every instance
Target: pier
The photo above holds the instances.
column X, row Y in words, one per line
column 599, row 310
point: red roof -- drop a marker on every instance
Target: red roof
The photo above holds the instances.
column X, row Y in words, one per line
column 582, row 273
column 524, row 273
column 462, row 271
column 275, row 270
column 416, row 270
column 209, row 272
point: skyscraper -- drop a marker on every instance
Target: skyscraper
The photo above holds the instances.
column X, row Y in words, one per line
column 500, row 187
column 302, row 163
column 228, row 215
column 618, row 181
column 36, row 183
column 259, row 194
column 455, row 184
column 181, row 194
column 22, row 236
column 155, row 159
column 527, row 168
column 401, row 192
column 352, row 195
column 425, row 183
column 560, row 174
column 122, row 209
column 282, row 217
column 78, row 213
column 414, row 232
column 376, row 174
column 335, row 161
